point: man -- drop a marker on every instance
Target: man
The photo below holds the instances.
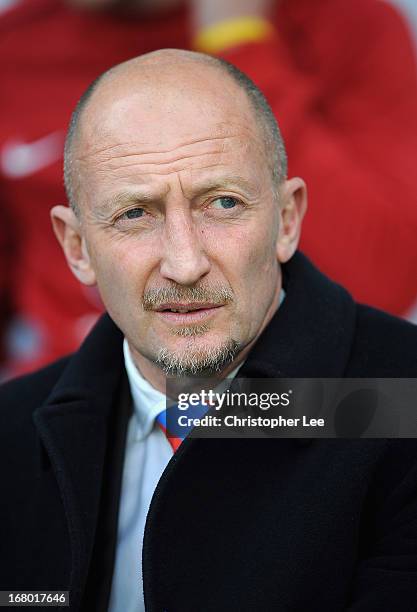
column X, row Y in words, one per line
column 183, row 216
column 341, row 74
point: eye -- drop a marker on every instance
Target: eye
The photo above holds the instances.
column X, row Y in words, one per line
column 133, row 213
column 225, row 203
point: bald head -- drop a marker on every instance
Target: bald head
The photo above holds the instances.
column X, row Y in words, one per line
column 158, row 79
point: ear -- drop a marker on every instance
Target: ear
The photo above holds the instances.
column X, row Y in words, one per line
column 293, row 205
column 67, row 229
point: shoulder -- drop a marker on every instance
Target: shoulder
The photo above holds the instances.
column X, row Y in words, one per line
column 383, row 345
column 377, row 14
column 21, row 396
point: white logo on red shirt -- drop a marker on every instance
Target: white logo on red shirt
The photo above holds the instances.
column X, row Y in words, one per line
column 19, row 159
column 7, row 4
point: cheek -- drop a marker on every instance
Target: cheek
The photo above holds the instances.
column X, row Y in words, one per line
column 121, row 269
column 256, row 277
column 257, row 254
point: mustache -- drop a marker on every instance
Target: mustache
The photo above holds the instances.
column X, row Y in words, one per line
column 216, row 294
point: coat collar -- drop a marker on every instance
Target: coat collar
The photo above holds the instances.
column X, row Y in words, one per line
column 73, row 426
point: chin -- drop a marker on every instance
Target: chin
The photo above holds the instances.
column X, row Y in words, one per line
column 197, row 358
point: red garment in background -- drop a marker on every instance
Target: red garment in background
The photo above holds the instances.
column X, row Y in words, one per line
column 341, row 78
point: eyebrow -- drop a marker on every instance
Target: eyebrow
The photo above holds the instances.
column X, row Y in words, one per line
column 127, row 197
column 224, row 182
column 143, row 196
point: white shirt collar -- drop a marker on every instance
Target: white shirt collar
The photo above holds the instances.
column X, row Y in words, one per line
column 148, row 402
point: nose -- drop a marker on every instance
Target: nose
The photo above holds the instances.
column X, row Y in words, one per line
column 184, row 260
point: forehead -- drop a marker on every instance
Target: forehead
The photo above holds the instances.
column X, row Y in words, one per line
column 166, row 104
column 195, row 129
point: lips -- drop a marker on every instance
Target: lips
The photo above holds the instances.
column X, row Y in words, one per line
column 185, row 308
column 186, row 313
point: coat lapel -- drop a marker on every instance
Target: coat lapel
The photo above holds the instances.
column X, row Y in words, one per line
column 73, row 426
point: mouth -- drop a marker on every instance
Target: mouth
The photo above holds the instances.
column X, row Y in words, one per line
column 184, row 313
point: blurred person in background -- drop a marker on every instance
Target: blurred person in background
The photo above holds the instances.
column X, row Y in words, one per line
column 341, row 76
column 409, row 9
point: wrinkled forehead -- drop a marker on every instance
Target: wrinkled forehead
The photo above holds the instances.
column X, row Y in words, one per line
column 166, row 107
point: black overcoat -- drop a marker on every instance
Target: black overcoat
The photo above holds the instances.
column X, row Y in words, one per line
column 242, row 525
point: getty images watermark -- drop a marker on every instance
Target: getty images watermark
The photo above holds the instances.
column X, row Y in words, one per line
column 292, row 408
